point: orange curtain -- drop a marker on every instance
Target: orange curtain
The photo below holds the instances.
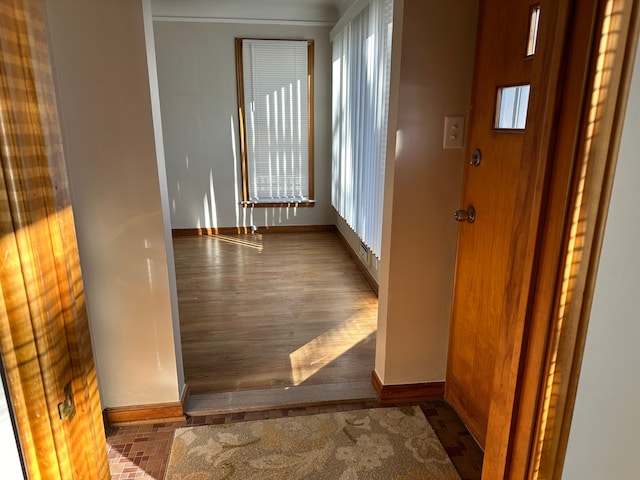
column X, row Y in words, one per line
column 44, row 333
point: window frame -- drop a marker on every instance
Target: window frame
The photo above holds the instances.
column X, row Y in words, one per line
column 246, row 200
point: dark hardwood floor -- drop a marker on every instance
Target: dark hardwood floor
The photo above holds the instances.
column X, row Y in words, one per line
column 274, row 310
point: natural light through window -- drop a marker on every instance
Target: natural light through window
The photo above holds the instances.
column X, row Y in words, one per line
column 275, row 90
column 575, row 248
column 512, row 104
column 534, row 22
column 361, row 76
column 242, row 241
column 313, row 356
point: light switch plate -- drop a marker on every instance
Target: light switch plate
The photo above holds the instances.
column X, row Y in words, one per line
column 453, row 131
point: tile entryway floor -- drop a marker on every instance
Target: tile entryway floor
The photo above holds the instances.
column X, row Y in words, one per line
column 142, row 451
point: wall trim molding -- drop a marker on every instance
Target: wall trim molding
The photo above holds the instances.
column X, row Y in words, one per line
column 199, row 232
column 247, row 21
column 359, row 263
column 406, row 393
column 141, row 414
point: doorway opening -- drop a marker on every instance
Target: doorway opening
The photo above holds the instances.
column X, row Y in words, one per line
column 285, row 312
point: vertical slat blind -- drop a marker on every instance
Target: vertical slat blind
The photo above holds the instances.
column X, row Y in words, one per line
column 277, row 119
column 44, row 332
column 361, row 72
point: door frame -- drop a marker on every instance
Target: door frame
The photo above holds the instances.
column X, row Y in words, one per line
column 540, row 348
column 45, row 344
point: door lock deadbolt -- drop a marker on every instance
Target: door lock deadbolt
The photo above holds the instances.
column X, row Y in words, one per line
column 476, row 157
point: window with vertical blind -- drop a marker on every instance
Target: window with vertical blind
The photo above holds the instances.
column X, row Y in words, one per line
column 275, row 99
column 361, row 72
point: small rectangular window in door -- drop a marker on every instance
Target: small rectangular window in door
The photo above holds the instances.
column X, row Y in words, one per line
column 511, row 107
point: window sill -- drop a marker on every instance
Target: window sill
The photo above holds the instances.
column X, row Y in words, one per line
column 280, row 204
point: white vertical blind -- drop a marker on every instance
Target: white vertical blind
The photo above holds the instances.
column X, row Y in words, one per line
column 361, row 71
column 277, row 119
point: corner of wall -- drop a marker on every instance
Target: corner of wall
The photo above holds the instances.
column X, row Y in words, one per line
column 164, row 190
column 419, row 235
column 389, row 175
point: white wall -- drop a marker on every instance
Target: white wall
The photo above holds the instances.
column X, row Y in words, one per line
column 164, row 189
column 311, row 11
column 423, row 184
column 99, row 56
column 344, row 5
column 603, row 442
column 197, row 79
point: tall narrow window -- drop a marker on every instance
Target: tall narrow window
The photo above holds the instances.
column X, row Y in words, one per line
column 534, row 22
column 361, row 72
column 275, row 99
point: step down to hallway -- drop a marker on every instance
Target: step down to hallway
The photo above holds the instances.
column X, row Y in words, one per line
column 274, row 398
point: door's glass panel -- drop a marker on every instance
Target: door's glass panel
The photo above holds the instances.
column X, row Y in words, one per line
column 532, row 38
column 511, row 107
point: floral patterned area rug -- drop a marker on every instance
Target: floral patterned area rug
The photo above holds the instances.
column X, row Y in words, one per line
column 380, row 444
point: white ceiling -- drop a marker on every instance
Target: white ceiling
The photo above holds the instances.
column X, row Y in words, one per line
column 288, row 10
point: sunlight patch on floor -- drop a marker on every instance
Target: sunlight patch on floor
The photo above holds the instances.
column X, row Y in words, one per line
column 324, row 349
column 239, row 240
column 122, row 467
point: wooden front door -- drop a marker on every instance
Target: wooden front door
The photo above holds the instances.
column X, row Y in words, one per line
column 537, row 193
column 44, row 332
column 498, row 124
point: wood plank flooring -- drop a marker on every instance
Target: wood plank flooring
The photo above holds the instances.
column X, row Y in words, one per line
column 274, row 310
